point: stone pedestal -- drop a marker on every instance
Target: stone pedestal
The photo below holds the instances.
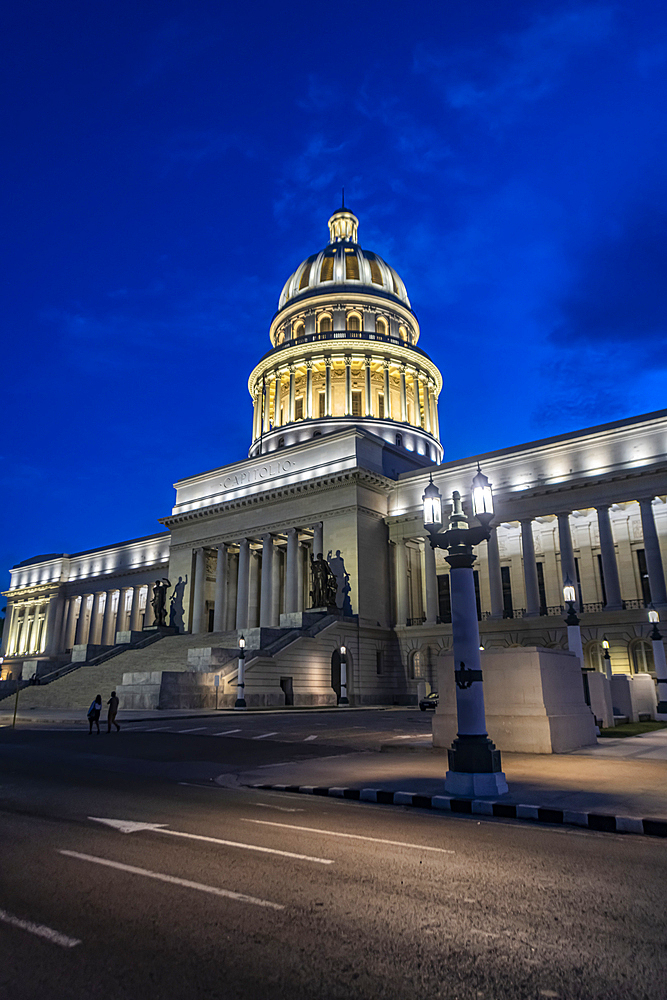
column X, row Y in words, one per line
column 633, row 696
column 534, row 701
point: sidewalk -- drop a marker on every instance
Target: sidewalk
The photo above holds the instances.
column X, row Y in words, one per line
column 611, row 780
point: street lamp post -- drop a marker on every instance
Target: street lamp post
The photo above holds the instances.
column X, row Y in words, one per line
column 240, row 679
column 343, row 700
column 660, row 664
column 571, row 620
column 474, row 762
column 607, row 658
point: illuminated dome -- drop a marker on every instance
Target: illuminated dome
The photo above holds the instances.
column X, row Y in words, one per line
column 343, row 262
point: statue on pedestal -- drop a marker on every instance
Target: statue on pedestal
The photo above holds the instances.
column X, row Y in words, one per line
column 159, row 602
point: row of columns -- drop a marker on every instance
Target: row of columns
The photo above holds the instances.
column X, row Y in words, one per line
column 267, row 415
column 63, row 622
column 614, row 600
column 239, row 583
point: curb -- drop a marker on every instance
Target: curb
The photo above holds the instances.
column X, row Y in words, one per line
column 481, row 807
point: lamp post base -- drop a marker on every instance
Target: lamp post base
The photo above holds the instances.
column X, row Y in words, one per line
column 471, row 786
column 240, row 704
column 474, row 767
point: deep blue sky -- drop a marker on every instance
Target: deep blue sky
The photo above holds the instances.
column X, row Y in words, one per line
column 167, row 165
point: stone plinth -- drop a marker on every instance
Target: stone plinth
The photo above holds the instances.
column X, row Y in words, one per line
column 599, row 689
column 80, row 654
column 534, row 701
column 210, row 658
column 633, row 696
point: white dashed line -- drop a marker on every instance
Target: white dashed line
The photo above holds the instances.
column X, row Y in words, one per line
column 55, row 937
column 228, row 732
column 212, row 889
column 265, row 735
column 197, row 729
column 308, row 738
column 350, row 836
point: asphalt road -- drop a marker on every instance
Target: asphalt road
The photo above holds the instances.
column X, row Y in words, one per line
column 293, row 896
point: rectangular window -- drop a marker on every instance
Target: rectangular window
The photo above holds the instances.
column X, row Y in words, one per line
column 356, row 404
column 281, row 417
column 508, row 609
column 298, row 408
column 444, row 598
column 378, row 661
column 381, row 405
column 541, row 588
column 643, row 576
column 578, row 575
column 323, row 404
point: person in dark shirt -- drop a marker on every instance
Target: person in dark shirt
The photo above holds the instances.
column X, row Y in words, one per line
column 94, row 714
column 113, row 709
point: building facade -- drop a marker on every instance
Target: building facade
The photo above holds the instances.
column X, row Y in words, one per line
column 344, row 439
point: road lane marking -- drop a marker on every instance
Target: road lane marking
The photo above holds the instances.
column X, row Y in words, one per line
column 310, row 738
column 197, row 729
column 282, row 809
column 55, row 937
column 212, row 889
column 227, row 732
column 158, row 729
column 351, row 836
column 265, row 735
column 131, row 826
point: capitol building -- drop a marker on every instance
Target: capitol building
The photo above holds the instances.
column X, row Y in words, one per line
column 345, row 437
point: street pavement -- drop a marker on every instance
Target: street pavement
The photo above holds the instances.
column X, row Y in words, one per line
column 121, row 877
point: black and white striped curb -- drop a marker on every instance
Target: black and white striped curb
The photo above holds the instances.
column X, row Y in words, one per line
column 482, row 807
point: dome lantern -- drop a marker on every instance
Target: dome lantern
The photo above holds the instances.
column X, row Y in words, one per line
column 343, row 225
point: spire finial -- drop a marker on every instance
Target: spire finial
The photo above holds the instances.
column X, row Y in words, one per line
column 343, row 199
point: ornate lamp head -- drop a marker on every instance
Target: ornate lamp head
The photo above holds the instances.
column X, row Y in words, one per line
column 482, row 498
column 432, row 507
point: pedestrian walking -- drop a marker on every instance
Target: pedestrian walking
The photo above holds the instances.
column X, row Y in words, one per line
column 94, row 714
column 113, row 709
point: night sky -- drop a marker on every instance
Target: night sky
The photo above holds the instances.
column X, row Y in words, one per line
column 167, row 166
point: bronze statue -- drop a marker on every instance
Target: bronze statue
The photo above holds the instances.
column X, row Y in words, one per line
column 159, row 601
column 325, row 585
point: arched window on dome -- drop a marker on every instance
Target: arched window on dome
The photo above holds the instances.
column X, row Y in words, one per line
column 376, row 273
column 324, row 323
column 326, row 271
column 642, row 656
column 403, row 333
column 351, row 266
column 305, row 275
column 298, row 330
column 353, row 321
column 381, row 326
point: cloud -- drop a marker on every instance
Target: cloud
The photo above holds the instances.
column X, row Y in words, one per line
column 520, row 68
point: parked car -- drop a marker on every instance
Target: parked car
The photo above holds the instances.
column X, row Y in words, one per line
column 429, row 702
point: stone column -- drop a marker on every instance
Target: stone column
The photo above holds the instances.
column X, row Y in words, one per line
column 242, row 585
column 567, row 565
column 81, row 637
column 404, row 396
column 266, row 596
column 609, row 567
column 368, row 403
column 348, row 385
column 427, row 412
column 309, row 390
column 327, row 386
column 135, row 610
column 401, row 565
column 120, row 611
column 435, row 420
column 415, row 389
column 276, row 400
column 276, row 575
column 495, row 576
column 387, row 392
column 107, row 620
column 291, row 572
column 198, row 599
column 318, row 539
column 229, row 621
column 34, row 631
column 530, row 569
column 656, row 573
column 7, row 632
column 221, row 577
column 54, row 616
column 68, row 638
column 430, row 583
column 94, row 614
column 290, row 409
column 253, row 589
column 302, row 552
